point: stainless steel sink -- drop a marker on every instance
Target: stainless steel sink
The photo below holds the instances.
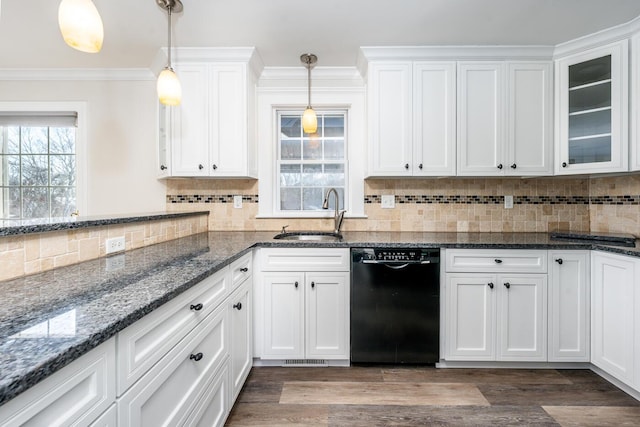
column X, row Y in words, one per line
column 317, row 236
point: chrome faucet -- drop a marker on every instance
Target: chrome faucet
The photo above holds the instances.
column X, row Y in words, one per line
column 339, row 214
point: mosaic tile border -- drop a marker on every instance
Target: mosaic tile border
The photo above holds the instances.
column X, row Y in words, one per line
column 436, row 199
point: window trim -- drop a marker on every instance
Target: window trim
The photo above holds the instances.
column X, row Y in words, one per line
column 80, row 108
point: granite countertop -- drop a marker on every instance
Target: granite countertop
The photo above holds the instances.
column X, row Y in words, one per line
column 9, row 227
column 49, row 319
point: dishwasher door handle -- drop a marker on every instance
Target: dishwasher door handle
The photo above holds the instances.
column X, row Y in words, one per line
column 373, row 261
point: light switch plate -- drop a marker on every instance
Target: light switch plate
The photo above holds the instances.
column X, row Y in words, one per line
column 388, row 201
column 508, row 202
column 237, row 202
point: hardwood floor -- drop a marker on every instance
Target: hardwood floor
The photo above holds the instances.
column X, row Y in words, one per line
column 382, row 396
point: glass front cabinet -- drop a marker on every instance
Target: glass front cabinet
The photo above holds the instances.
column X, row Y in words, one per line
column 592, row 111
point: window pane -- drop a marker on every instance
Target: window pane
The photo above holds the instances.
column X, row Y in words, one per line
column 290, row 126
column 333, row 126
column 311, row 174
column 334, row 149
column 62, row 140
column 312, row 148
column 11, row 202
column 63, row 201
column 312, row 199
column 35, row 170
column 290, row 199
column 290, row 149
column 290, row 175
column 34, row 140
column 334, row 175
column 35, row 202
column 63, row 170
column 12, row 143
column 11, row 167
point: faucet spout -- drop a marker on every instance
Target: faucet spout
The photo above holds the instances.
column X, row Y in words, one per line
column 338, row 216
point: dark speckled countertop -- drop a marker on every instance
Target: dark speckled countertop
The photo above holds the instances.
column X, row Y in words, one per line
column 96, row 299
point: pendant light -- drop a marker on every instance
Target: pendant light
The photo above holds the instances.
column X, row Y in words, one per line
column 81, row 25
column 168, row 87
column 309, row 118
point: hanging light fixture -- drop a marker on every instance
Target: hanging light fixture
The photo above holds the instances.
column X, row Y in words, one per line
column 309, row 118
column 168, row 87
column 81, row 25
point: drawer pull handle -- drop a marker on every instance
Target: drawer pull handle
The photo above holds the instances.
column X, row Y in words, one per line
column 564, row 164
column 244, row 269
column 196, row 357
column 498, row 261
column 215, row 167
column 507, row 285
column 500, row 166
column 238, row 306
column 559, row 261
column 296, row 285
column 513, row 166
column 196, row 307
column 200, row 167
column 313, row 285
column 406, row 166
column 162, row 167
column 420, row 166
column 490, row 284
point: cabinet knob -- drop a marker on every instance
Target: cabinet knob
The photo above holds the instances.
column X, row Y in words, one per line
column 313, row 285
column 507, row 285
column 497, row 261
column 238, row 306
column 296, row 285
column 215, row 167
column 420, row 166
column 559, row 261
column 162, row 167
column 200, row 167
column 196, row 307
column 500, row 166
column 244, row 269
column 490, row 285
column 513, row 166
column 564, row 164
column 406, row 166
column 196, row 357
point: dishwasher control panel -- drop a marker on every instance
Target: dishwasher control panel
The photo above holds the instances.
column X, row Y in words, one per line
column 396, row 255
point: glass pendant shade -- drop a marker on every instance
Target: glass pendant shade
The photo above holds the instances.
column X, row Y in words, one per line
column 169, row 89
column 81, row 25
column 309, row 121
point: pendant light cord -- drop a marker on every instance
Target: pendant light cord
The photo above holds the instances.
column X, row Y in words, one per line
column 169, row 32
column 309, row 83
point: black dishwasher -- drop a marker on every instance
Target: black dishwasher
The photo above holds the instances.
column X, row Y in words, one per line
column 395, row 305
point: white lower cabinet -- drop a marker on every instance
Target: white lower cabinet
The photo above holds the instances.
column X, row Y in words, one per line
column 614, row 285
column 304, row 304
column 108, row 419
column 75, row 395
column 569, row 306
column 170, row 390
column 240, row 308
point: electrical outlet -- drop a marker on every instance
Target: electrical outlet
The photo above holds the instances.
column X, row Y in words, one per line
column 115, row 244
column 115, row 262
column 237, row 202
column 508, row 202
column 388, row 201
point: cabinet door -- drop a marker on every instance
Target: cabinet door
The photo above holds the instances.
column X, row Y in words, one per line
column 189, row 125
column 480, row 118
column 634, row 142
column 613, row 278
column 240, row 306
column 529, row 136
column 470, row 316
column 592, row 111
column 327, row 315
column 228, row 118
column 522, row 317
column 283, row 315
column 390, row 113
column 434, row 119
column 164, row 141
column 212, row 409
column 569, row 313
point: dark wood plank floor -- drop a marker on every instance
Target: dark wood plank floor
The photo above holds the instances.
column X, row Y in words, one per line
column 382, row 396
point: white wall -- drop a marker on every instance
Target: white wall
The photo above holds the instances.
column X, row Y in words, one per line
column 121, row 139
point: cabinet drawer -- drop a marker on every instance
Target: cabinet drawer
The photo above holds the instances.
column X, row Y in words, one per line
column 240, row 269
column 305, row 259
column 145, row 342
column 171, row 389
column 75, row 395
column 496, row 261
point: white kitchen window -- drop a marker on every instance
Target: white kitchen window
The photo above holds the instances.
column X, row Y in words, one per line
column 308, row 165
column 38, row 167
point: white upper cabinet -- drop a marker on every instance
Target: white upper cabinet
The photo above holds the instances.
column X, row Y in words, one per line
column 212, row 130
column 592, row 111
column 411, row 118
column 504, row 118
column 635, row 104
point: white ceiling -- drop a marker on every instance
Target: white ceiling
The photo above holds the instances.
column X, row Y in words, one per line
column 283, row 29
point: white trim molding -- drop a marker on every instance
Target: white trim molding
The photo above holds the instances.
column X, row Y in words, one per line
column 76, row 74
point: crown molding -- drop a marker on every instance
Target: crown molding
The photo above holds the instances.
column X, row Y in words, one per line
column 318, row 73
column 77, row 74
column 185, row 55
